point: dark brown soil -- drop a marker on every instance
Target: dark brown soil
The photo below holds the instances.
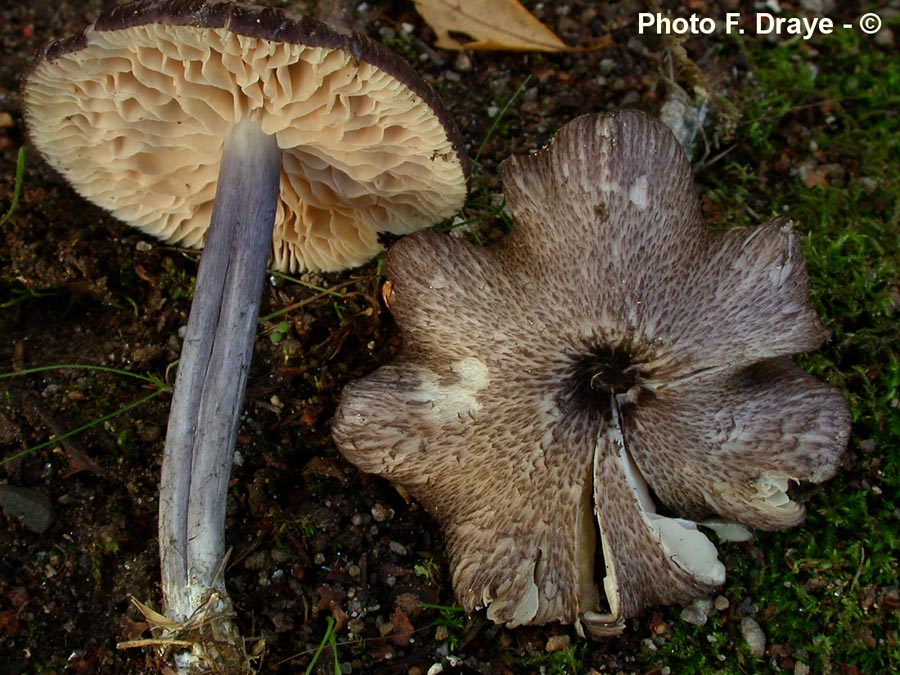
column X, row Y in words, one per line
column 312, row 537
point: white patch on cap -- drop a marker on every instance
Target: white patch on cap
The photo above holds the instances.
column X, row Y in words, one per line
column 456, row 400
column 638, row 192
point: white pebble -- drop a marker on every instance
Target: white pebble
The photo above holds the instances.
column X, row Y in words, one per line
column 754, row 637
column 697, row 612
column 382, row 513
column 556, row 643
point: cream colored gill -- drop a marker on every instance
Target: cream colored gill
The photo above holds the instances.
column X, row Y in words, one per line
column 135, row 121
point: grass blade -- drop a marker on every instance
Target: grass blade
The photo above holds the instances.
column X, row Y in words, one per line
column 17, row 190
column 499, row 116
column 83, row 427
column 328, row 639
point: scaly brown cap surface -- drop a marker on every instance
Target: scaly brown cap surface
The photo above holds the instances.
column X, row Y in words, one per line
column 609, row 354
column 133, row 112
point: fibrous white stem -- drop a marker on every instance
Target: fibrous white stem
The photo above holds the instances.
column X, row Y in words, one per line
column 212, row 371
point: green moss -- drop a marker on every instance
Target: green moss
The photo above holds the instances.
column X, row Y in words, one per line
column 567, row 661
column 818, row 143
column 175, row 282
column 453, row 619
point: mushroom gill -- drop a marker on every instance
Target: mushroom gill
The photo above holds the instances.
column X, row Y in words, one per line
column 582, row 394
column 153, row 89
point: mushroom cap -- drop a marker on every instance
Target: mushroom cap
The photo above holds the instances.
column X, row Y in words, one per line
column 609, row 357
column 133, row 111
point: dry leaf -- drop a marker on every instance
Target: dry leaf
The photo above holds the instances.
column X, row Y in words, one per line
column 154, row 617
column 491, row 24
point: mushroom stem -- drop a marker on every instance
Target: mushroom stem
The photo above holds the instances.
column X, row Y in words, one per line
column 212, row 372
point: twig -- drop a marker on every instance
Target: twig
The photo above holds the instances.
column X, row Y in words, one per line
column 79, row 460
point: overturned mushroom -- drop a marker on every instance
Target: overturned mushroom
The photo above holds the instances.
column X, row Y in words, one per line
column 258, row 135
column 610, row 355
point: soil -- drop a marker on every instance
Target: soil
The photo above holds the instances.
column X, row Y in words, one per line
column 312, row 537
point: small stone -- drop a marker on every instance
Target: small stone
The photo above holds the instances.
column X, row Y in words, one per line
column 868, row 445
column 463, row 62
column 754, row 637
column 884, row 37
column 255, row 561
column 557, row 643
column 747, row 607
column 721, row 603
column 381, row 513
column 441, row 634
column 29, row 506
column 397, row 547
column 801, row 668
column 607, row 66
column 697, row 612
column 149, row 433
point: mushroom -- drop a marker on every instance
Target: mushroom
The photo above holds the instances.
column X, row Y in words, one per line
column 257, row 135
column 576, row 399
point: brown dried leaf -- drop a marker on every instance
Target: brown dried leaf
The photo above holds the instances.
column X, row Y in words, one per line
column 133, row 630
column 9, row 623
column 492, row 25
column 402, row 629
column 330, row 599
column 154, row 617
